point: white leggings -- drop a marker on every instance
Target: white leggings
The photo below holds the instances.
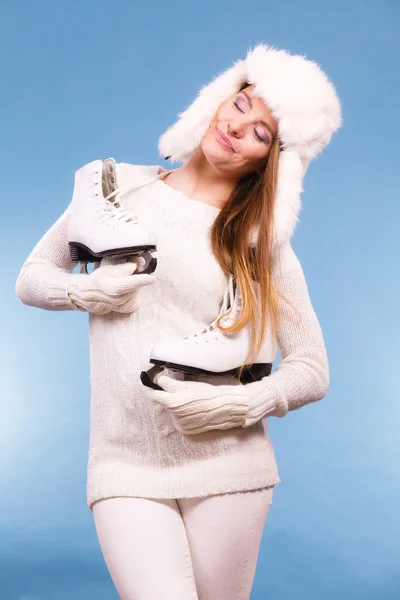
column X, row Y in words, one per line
column 186, row 549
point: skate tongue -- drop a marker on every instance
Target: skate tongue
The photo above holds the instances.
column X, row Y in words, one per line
column 108, row 176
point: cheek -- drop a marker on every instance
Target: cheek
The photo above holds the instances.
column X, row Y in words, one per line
column 224, row 110
column 209, row 141
column 252, row 150
column 224, row 114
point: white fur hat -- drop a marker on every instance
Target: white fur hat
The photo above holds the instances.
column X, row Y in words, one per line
column 301, row 98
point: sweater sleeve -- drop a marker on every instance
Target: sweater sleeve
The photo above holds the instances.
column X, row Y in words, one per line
column 47, row 272
column 302, row 376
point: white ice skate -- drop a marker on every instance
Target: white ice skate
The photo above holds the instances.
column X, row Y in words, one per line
column 213, row 352
column 99, row 226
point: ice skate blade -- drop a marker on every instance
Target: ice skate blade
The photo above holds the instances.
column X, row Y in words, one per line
column 81, row 253
column 146, row 378
column 254, row 372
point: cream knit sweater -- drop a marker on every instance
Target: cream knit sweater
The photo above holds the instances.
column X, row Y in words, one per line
column 134, row 447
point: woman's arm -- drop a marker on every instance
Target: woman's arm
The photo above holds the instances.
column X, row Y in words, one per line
column 46, row 273
column 303, row 373
column 301, row 377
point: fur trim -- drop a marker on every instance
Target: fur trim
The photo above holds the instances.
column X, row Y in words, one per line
column 301, row 98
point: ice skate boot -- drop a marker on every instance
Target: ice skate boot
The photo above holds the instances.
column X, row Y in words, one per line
column 99, row 226
column 213, row 352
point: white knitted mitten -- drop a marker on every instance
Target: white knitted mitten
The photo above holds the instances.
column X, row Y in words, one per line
column 109, row 288
column 197, row 407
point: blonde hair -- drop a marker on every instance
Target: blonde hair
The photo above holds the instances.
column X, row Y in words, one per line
column 251, row 206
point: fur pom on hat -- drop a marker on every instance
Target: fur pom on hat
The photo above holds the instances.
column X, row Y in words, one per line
column 301, row 98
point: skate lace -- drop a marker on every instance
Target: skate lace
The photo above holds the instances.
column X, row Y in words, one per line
column 228, row 303
column 114, row 210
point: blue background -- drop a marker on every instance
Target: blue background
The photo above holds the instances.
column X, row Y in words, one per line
column 90, row 79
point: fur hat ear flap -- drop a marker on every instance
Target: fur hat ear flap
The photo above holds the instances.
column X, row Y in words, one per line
column 288, row 195
column 182, row 138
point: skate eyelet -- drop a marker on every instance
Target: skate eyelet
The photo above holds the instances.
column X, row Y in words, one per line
column 110, row 168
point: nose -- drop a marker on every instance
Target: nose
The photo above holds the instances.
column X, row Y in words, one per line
column 235, row 128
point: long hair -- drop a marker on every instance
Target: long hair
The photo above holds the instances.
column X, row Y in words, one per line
column 250, row 208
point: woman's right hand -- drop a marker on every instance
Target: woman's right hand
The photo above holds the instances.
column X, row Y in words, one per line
column 109, row 288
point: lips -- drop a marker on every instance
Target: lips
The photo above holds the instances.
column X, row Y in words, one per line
column 223, row 139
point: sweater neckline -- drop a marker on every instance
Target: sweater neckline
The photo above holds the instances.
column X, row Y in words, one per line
column 201, row 208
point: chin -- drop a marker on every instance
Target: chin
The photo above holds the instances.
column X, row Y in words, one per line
column 216, row 155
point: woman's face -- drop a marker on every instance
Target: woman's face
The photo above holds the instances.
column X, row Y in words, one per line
column 241, row 134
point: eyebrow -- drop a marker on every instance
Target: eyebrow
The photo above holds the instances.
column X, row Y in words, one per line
column 251, row 106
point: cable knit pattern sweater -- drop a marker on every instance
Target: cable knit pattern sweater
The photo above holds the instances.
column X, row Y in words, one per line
column 134, row 448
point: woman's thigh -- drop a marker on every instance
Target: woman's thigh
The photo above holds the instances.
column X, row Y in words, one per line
column 224, row 534
column 145, row 548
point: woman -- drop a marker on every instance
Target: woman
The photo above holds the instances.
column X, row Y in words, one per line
column 180, row 479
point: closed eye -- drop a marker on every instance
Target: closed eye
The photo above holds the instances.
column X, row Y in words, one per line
column 258, row 137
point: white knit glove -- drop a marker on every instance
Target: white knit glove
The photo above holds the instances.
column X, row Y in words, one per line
column 197, row 407
column 109, row 288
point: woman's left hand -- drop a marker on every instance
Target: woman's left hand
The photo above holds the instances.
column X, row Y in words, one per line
column 197, row 407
